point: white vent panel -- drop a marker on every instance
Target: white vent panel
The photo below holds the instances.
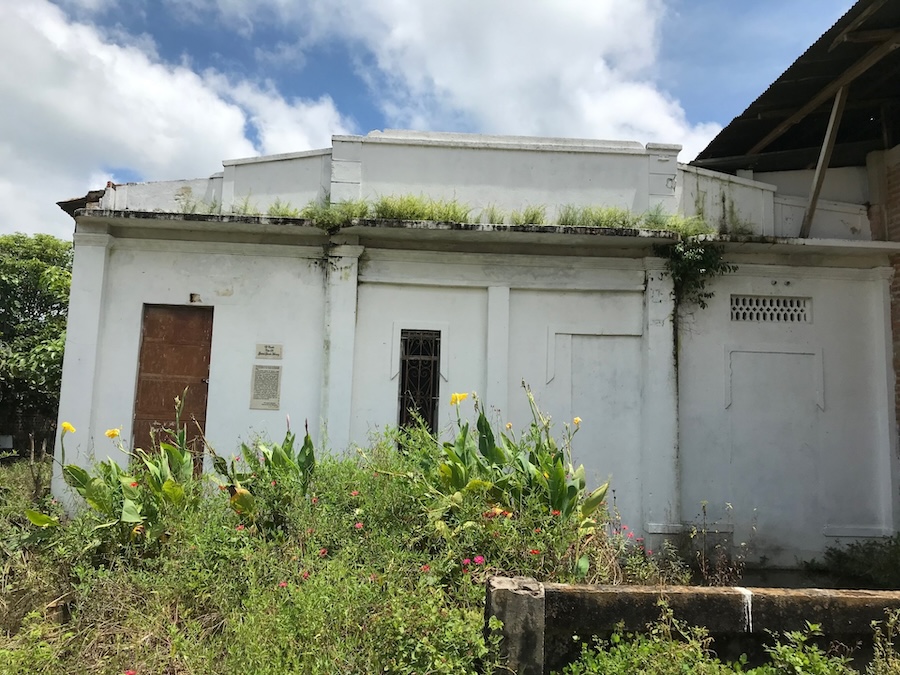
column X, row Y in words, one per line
column 771, row 309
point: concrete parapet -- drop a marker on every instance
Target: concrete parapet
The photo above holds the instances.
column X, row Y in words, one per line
column 540, row 620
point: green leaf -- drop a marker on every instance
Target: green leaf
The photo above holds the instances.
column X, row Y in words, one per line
column 593, row 500
column 582, row 566
column 131, row 512
column 173, row 492
column 41, row 519
column 486, row 443
column 76, row 478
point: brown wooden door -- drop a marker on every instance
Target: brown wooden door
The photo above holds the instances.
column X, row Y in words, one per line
column 175, row 346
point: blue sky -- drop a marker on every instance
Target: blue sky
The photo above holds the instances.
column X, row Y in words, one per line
column 157, row 89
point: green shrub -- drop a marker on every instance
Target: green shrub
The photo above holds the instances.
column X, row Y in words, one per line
column 530, row 215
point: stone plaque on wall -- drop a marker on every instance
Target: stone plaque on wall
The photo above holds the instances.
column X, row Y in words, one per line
column 268, row 351
column 265, row 391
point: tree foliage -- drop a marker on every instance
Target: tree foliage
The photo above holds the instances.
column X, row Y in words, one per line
column 35, row 276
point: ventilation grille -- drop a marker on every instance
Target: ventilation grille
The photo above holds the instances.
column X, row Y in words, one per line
column 771, row 309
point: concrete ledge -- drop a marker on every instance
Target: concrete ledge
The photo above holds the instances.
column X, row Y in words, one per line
column 539, row 620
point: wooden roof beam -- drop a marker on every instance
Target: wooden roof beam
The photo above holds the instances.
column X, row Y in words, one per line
column 837, row 110
column 857, row 22
column 872, row 57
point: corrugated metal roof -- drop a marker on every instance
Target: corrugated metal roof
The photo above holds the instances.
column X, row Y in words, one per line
column 869, row 31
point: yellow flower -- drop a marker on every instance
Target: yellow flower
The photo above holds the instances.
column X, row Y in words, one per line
column 508, row 426
column 577, row 421
column 68, row 428
column 113, row 433
column 456, row 399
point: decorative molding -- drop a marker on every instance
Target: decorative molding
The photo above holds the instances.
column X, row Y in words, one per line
column 398, row 326
column 568, row 330
column 218, row 248
column 815, row 352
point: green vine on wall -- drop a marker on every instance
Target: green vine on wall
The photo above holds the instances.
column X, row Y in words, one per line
column 692, row 264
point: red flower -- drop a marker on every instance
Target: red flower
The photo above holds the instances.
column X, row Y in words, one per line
column 535, row 551
column 555, row 512
column 134, row 484
column 425, row 568
column 130, row 672
column 537, row 530
column 323, row 552
column 355, row 493
column 283, row 584
column 358, row 526
column 305, row 574
column 240, row 528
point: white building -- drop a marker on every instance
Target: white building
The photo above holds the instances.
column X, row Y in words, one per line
column 777, row 399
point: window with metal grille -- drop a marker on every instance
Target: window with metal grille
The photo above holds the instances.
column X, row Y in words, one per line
column 771, row 309
column 420, row 373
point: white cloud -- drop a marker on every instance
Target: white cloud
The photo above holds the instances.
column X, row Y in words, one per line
column 75, row 106
column 566, row 68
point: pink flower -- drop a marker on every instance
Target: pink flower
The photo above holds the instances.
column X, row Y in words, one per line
column 355, row 493
column 283, row 584
column 305, row 574
column 323, row 552
column 537, row 530
column 479, row 560
column 631, row 535
column 425, row 568
column 240, row 528
column 358, row 526
column 315, row 500
column 555, row 512
column 624, row 528
column 649, row 552
column 467, row 561
column 273, row 482
column 130, row 672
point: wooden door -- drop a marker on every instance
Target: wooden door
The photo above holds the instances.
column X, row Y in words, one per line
column 174, row 357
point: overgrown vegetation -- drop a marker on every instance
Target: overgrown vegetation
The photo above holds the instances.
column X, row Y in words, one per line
column 35, row 276
column 669, row 647
column 298, row 563
column 373, row 563
column 870, row 563
column 692, row 265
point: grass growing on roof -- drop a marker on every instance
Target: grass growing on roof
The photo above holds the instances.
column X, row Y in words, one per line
column 534, row 214
column 412, row 207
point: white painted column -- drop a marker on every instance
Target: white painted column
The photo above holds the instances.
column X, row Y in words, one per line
column 659, row 458
column 888, row 462
column 79, row 373
column 497, row 394
column 341, row 276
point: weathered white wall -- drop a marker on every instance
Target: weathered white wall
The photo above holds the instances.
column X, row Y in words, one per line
column 296, row 179
column 728, row 203
column 260, row 294
column 507, row 172
column 842, row 184
column 384, row 309
column 173, row 196
column 832, row 220
column 788, row 422
column 575, row 329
